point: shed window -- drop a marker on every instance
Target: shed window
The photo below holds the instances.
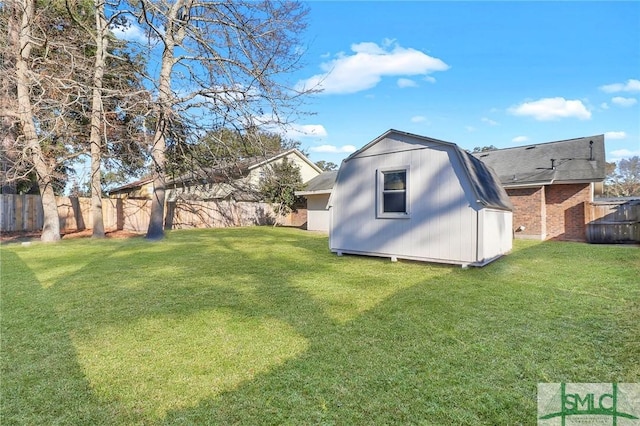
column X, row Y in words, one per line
column 393, row 193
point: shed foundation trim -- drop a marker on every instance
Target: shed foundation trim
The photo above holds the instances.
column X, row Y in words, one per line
column 394, row 258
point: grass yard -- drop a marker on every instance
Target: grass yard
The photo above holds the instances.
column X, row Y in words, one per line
column 265, row 326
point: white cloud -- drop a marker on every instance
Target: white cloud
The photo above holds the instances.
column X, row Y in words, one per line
column 624, row 102
column 332, row 149
column 130, row 32
column 430, row 79
column 470, row 129
column 615, row 135
column 619, row 154
column 418, row 119
column 489, row 121
column 306, row 131
column 368, row 64
column 520, row 139
column 406, row 82
column 630, row 86
column 604, row 105
column 552, row 109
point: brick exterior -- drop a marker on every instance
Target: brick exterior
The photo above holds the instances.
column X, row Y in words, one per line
column 565, row 211
column 528, row 211
column 551, row 212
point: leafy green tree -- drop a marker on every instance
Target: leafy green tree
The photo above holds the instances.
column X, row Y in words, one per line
column 279, row 185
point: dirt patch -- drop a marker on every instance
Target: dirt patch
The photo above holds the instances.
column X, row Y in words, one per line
column 20, row 237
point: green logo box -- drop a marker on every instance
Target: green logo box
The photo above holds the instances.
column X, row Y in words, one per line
column 593, row 404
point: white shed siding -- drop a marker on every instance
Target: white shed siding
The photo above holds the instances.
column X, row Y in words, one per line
column 496, row 237
column 317, row 212
column 442, row 222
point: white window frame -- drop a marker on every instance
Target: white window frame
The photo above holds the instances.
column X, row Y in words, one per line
column 380, row 213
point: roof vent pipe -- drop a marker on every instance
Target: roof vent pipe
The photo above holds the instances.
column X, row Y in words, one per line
column 590, row 150
column 553, row 164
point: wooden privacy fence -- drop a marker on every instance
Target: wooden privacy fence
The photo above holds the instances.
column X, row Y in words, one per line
column 23, row 213
column 615, row 221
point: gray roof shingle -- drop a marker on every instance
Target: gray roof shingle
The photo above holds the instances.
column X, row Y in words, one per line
column 323, row 183
column 567, row 161
column 486, row 184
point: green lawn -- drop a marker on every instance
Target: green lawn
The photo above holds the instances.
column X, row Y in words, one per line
column 265, row 326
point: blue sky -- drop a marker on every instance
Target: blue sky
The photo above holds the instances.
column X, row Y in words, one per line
column 474, row 73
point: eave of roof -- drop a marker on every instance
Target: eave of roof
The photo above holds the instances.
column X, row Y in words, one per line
column 319, row 192
column 131, row 185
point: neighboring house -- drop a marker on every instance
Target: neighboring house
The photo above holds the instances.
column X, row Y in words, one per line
column 412, row 197
column 239, row 181
column 317, row 192
column 140, row 189
column 550, row 185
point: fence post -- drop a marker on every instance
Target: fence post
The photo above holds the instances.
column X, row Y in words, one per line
column 77, row 213
column 119, row 214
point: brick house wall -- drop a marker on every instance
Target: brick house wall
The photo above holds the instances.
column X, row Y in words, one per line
column 551, row 212
column 529, row 211
column 565, row 211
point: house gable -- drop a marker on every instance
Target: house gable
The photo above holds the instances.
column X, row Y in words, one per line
column 308, row 170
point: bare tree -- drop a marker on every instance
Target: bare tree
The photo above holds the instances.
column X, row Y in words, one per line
column 623, row 178
column 223, row 65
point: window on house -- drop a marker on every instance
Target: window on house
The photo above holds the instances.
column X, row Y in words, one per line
column 393, row 192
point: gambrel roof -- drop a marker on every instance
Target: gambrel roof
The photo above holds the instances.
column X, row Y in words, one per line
column 484, row 181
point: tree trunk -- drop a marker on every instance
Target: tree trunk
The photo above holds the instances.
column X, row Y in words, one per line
column 24, row 11
column 96, row 122
column 171, row 38
column 156, row 221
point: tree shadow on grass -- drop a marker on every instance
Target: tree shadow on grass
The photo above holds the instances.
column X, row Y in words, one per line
column 403, row 362
column 445, row 346
column 142, row 311
column 42, row 381
column 466, row 347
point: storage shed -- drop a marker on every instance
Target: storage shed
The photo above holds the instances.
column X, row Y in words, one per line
column 412, row 197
